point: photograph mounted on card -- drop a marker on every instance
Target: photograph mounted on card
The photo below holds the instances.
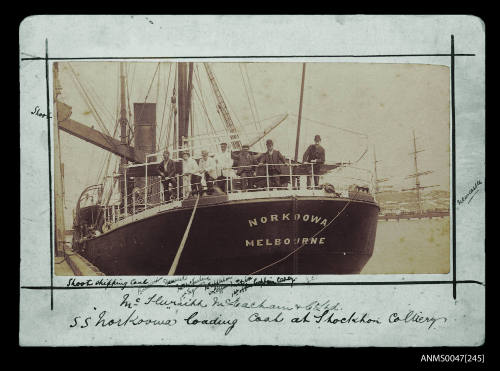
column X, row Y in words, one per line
column 257, row 180
column 201, row 168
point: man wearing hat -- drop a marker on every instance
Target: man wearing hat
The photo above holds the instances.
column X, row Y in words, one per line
column 167, row 170
column 244, row 163
column 273, row 158
column 315, row 154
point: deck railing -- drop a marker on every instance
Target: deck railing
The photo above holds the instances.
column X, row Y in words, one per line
column 252, row 178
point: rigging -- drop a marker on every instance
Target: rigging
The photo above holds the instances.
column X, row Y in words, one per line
column 222, row 109
column 146, row 98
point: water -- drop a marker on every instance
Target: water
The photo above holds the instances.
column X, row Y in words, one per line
column 411, row 246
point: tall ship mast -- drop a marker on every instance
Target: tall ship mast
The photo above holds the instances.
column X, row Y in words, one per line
column 255, row 218
column 397, row 204
column 417, row 174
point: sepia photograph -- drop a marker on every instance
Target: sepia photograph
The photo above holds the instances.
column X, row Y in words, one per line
column 251, row 168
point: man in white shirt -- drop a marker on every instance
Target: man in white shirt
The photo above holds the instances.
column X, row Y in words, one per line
column 224, row 165
column 191, row 173
column 208, row 169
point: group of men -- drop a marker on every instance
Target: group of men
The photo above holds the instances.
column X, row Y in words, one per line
column 264, row 170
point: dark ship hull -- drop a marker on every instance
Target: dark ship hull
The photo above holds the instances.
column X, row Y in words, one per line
column 240, row 237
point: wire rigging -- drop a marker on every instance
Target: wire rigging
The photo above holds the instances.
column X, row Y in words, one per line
column 173, row 111
column 146, row 98
column 107, row 158
column 248, row 97
column 159, row 141
column 91, row 107
column 252, row 95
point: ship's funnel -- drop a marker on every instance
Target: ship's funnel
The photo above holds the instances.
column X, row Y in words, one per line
column 145, row 127
column 145, row 140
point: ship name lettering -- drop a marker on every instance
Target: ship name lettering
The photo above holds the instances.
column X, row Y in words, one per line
column 132, row 319
column 285, row 241
column 316, row 219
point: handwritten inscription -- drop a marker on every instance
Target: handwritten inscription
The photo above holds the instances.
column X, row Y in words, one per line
column 105, row 320
column 225, row 314
column 257, row 317
column 36, row 112
column 471, row 193
column 222, row 306
column 217, row 321
column 156, row 299
column 414, row 317
column 328, row 317
column 107, row 282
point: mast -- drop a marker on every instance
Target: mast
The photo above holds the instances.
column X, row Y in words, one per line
column 377, row 180
column 59, row 226
column 417, row 180
column 417, row 176
column 188, row 102
column 123, row 131
column 181, row 84
column 300, row 112
column 176, row 129
column 184, row 92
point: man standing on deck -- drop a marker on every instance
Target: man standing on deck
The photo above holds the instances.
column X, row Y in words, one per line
column 224, row 165
column 244, row 163
column 315, row 154
column 166, row 168
column 208, row 169
column 273, row 158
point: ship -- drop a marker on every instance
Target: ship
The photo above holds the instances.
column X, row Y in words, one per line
column 406, row 204
column 269, row 229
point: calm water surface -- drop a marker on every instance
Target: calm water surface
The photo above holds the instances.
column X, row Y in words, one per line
column 411, row 246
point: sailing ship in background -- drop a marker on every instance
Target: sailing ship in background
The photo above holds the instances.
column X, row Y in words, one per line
column 125, row 226
column 408, row 203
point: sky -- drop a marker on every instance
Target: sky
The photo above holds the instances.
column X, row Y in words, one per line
column 353, row 106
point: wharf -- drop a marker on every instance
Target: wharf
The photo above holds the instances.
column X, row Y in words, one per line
column 414, row 215
column 73, row 264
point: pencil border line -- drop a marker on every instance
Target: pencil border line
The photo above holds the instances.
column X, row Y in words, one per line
column 454, row 280
column 453, row 167
column 266, row 284
column 256, row 56
column 49, row 141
